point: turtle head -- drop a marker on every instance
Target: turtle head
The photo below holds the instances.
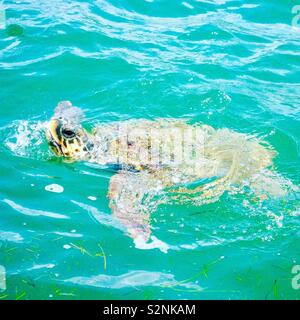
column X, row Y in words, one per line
column 66, row 137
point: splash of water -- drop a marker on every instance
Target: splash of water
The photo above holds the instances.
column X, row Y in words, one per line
column 26, row 138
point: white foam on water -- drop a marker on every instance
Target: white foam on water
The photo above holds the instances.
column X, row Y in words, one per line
column 92, row 198
column 33, row 212
column 295, row 213
column 278, row 219
column 187, row 5
column 250, row 6
column 56, row 188
column 207, row 243
column 10, row 236
column 68, row 234
column 140, row 243
column 25, row 138
column 189, row 246
column 2, row 16
column 43, row 266
column 2, row 278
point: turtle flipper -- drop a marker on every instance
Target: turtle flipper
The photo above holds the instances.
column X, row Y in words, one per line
column 269, row 183
column 131, row 195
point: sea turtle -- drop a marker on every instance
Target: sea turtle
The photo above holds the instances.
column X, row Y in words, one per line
column 164, row 160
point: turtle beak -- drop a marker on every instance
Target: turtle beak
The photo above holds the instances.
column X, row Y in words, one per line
column 53, row 129
column 52, row 135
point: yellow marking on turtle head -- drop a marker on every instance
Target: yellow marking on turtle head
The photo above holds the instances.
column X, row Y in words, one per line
column 67, row 141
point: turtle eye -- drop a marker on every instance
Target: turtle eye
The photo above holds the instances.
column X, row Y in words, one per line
column 67, row 133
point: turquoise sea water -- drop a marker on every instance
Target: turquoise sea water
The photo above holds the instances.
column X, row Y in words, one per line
column 229, row 64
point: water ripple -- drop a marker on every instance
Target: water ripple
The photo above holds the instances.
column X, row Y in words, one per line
column 34, row 212
column 134, row 278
